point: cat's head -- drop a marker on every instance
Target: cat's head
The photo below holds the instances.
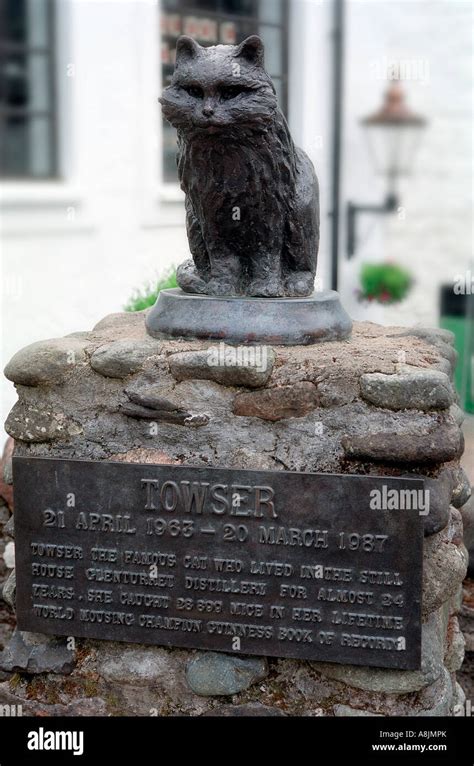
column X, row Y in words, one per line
column 222, row 89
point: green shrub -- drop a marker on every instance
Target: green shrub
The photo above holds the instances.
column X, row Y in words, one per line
column 146, row 296
column 384, row 282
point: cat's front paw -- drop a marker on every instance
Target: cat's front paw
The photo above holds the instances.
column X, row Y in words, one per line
column 300, row 284
column 188, row 278
column 265, row 288
column 221, row 287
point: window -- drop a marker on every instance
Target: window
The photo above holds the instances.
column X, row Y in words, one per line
column 211, row 22
column 27, row 121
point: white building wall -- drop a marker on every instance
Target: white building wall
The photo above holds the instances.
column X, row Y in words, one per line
column 432, row 236
column 310, row 101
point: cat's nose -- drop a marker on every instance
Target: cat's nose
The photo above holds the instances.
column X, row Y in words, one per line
column 207, row 110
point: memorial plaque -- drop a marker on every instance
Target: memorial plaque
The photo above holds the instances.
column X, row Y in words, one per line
column 277, row 563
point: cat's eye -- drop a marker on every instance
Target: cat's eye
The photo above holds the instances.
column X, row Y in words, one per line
column 194, row 90
column 230, row 91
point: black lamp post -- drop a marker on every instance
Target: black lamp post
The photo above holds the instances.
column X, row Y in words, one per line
column 393, row 134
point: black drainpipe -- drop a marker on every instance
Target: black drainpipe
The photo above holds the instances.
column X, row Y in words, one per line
column 337, row 90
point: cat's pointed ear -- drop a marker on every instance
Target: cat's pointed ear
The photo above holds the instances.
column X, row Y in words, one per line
column 186, row 48
column 252, row 50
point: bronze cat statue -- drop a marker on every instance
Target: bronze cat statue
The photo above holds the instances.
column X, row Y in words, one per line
column 252, row 201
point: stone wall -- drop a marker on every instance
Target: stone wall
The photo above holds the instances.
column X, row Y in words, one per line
column 380, row 403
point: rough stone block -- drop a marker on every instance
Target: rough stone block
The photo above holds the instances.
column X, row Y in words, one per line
column 445, row 566
column 35, row 653
column 277, row 403
column 454, row 657
column 461, row 487
column 46, row 362
column 420, row 389
column 9, row 590
column 440, row 490
column 438, row 445
column 244, row 366
column 30, row 424
column 212, row 674
column 123, row 357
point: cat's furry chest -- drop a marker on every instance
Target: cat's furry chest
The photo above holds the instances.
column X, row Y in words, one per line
column 216, row 173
